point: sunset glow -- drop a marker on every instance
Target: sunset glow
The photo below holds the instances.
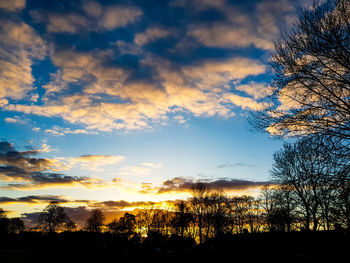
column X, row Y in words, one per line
column 119, row 105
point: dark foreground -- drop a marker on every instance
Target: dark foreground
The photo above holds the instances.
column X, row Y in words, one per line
column 106, row 248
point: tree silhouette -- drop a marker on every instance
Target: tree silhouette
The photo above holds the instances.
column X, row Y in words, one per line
column 279, row 203
column 199, row 192
column 311, row 172
column 53, row 217
column 16, row 225
column 4, row 222
column 311, row 87
column 95, row 222
column 125, row 226
column 182, row 218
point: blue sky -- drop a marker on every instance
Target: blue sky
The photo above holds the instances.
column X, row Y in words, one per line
column 133, row 100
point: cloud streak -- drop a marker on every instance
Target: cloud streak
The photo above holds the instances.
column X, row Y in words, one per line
column 181, row 184
column 20, row 170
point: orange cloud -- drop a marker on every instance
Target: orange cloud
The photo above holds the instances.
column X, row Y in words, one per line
column 150, row 35
column 21, row 44
column 13, row 5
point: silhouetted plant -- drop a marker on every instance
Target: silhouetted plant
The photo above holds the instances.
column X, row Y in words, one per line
column 95, row 222
column 311, row 172
column 53, row 217
column 16, row 225
column 312, row 75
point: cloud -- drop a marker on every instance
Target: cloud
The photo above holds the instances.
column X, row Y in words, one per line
column 19, row 45
column 93, row 9
column 243, row 102
column 96, row 18
column 240, row 29
column 180, row 184
column 237, row 164
column 256, row 90
column 21, row 171
column 94, row 162
column 119, row 16
column 15, row 119
column 200, row 4
column 128, row 48
column 124, row 85
column 40, row 180
column 216, row 73
column 108, row 101
column 143, row 169
column 12, row 5
column 59, row 131
column 150, row 35
column 152, row 165
column 228, row 36
column 33, row 199
column 66, row 23
column 23, row 163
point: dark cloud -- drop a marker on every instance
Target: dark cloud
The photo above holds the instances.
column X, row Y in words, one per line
column 29, row 172
column 179, row 184
column 123, row 204
column 33, row 199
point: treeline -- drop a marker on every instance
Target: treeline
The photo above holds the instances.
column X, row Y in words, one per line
column 309, row 190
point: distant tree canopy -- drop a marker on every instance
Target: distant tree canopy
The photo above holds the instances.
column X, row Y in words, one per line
column 311, row 86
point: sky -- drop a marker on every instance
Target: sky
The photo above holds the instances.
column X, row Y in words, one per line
column 120, row 104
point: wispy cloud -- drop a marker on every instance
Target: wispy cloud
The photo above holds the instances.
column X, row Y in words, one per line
column 237, row 164
column 59, row 131
column 95, row 162
column 143, row 169
column 151, row 34
column 15, row 119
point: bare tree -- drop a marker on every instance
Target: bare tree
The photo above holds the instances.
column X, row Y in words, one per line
column 199, row 192
column 254, row 216
column 95, row 222
column 53, row 217
column 309, row 168
column 239, row 208
column 182, row 218
column 311, row 88
column 341, row 207
column 279, row 203
column 217, row 207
